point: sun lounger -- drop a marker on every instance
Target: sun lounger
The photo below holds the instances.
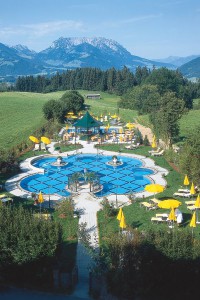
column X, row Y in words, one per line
column 183, row 191
column 132, row 146
column 43, row 146
column 192, row 202
column 164, row 215
column 191, row 207
column 155, row 201
column 158, row 153
column 3, row 196
column 37, row 147
column 156, row 220
column 184, row 195
column 147, row 205
column 154, row 151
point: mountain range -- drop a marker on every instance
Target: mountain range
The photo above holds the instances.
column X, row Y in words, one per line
column 71, row 53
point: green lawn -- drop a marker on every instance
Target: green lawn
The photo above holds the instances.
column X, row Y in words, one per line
column 21, row 113
column 189, row 122
column 139, row 217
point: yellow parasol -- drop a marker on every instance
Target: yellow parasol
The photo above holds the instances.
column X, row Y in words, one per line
column 45, row 140
column 121, row 138
column 197, row 205
column 154, row 144
column 169, row 204
column 192, row 190
column 186, row 180
column 40, row 198
column 172, row 216
column 197, row 202
column 130, row 125
column 34, row 139
column 122, row 223
column 120, row 213
column 154, row 188
column 120, row 130
column 193, row 220
column 71, row 113
column 114, row 116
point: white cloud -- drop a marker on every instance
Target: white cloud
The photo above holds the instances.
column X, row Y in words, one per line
column 43, row 29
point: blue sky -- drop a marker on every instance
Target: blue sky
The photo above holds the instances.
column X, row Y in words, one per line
column 147, row 28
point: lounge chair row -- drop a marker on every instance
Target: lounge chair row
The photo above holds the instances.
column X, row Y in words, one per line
column 158, row 153
column 152, row 205
column 132, row 146
column 160, row 218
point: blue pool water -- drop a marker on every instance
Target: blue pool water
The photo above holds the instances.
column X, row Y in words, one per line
column 129, row 177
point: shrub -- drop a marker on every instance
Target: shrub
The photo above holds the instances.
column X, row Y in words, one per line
column 146, row 141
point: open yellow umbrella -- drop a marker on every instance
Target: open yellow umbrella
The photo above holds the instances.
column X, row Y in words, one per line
column 45, row 140
column 34, row 139
column 70, row 113
column 130, row 125
column 169, row 204
column 186, row 180
column 114, row 116
column 119, row 215
column 154, row 188
column 192, row 190
column 122, row 223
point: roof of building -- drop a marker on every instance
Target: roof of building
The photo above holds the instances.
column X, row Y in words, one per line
column 87, row 121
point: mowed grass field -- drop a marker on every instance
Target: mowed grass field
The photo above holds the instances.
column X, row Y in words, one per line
column 21, row 114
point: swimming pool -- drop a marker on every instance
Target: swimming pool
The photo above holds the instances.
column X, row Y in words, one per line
column 124, row 179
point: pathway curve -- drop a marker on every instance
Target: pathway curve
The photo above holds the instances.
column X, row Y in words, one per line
column 145, row 131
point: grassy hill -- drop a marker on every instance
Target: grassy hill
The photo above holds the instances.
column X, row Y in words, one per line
column 191, row 69
column 21, row 113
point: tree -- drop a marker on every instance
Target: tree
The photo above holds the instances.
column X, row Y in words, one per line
column 190, row 156
column 53, row 110
column 143, row 98
column 72, row 101
column 165, row 119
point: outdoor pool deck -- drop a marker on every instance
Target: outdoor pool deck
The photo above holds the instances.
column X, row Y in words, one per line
column 13, row 184
column 88, row 205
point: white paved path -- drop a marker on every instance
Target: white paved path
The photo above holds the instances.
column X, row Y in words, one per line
column 88, row 208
